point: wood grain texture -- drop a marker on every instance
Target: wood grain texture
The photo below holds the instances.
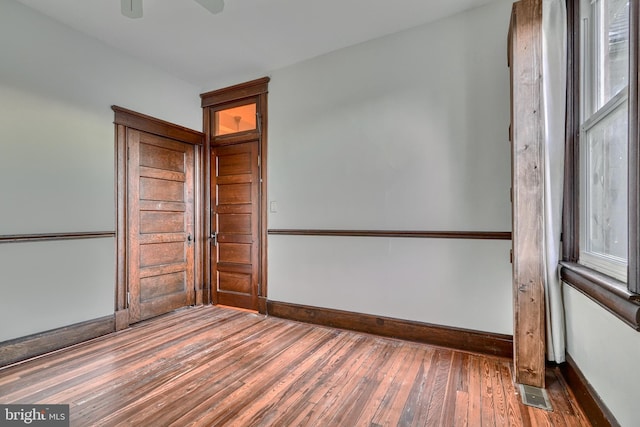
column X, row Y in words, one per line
column 34, row 345
column 209, row 366
column 461, row 339
column 120, row 185
column 158, row 177
column 245, row 93
column 528, row 189
column 476, row 235
column 233, row 93
column 235, row 184
column 160, row 225
column 121, row 319
column 134, row 120
column 263, row 106
column 200, row 238
column 571, row 190
column 208, row 296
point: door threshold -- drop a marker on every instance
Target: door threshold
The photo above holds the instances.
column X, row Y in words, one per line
column 237, row 308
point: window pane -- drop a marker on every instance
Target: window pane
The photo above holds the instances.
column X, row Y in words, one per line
column 606, row 185
column 612, row 49
column 237, row 119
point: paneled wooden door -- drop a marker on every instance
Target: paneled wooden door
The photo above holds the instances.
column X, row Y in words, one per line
column 160, row 212
column 235, row 224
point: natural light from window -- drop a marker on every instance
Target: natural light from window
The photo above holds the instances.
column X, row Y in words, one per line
column 604, row 137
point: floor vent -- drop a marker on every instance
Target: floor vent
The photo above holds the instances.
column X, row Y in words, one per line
column 536, row 397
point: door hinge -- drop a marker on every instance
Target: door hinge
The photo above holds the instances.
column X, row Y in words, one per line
column 258, row 161
column 128, row 299
column 259, row 123
column 259, row 289
column 511, row 256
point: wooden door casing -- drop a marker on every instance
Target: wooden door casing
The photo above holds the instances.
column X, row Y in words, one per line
column 235, row 223
column 160, row 238
column 215, row 101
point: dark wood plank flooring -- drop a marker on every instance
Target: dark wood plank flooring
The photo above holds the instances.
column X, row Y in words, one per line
column 212, row 366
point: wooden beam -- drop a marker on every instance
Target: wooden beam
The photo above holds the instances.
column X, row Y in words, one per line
column 528, row 189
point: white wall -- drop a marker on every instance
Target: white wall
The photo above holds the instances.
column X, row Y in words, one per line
column 57, row 164
column 404, row 132
column 606, row 350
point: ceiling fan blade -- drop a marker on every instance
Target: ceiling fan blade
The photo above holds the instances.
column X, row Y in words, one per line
column 213, row 6
column 131, row 8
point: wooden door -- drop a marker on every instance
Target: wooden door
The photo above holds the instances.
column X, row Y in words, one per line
column 160, row 238
column 235, row 224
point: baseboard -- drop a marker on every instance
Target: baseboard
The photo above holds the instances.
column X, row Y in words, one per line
column 456, row 338
column 23, row 348
column 594, row 408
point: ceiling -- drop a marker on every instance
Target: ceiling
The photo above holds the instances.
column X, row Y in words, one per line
column 249, row 38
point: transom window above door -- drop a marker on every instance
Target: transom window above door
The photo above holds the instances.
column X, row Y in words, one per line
column 236, row 119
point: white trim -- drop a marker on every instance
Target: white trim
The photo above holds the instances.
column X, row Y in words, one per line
column 606, row 110
column 611, row 266
column 591, row 116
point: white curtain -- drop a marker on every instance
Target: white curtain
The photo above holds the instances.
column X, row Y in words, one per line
column 554, row 72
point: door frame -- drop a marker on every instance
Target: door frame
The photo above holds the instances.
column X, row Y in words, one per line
column 210, row 101
column 124, row 121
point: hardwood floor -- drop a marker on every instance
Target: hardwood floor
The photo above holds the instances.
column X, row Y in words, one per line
column 212, row 366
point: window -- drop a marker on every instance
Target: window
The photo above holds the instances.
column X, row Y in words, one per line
column 604, row 136
column 601, row 216
column 235, row 119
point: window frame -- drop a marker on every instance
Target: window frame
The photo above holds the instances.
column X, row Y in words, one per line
column 610, row 265
column 621, row 299
column 215, row 118
column 596, row 112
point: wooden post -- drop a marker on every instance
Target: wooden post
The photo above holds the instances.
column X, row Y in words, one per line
column 527, row 133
